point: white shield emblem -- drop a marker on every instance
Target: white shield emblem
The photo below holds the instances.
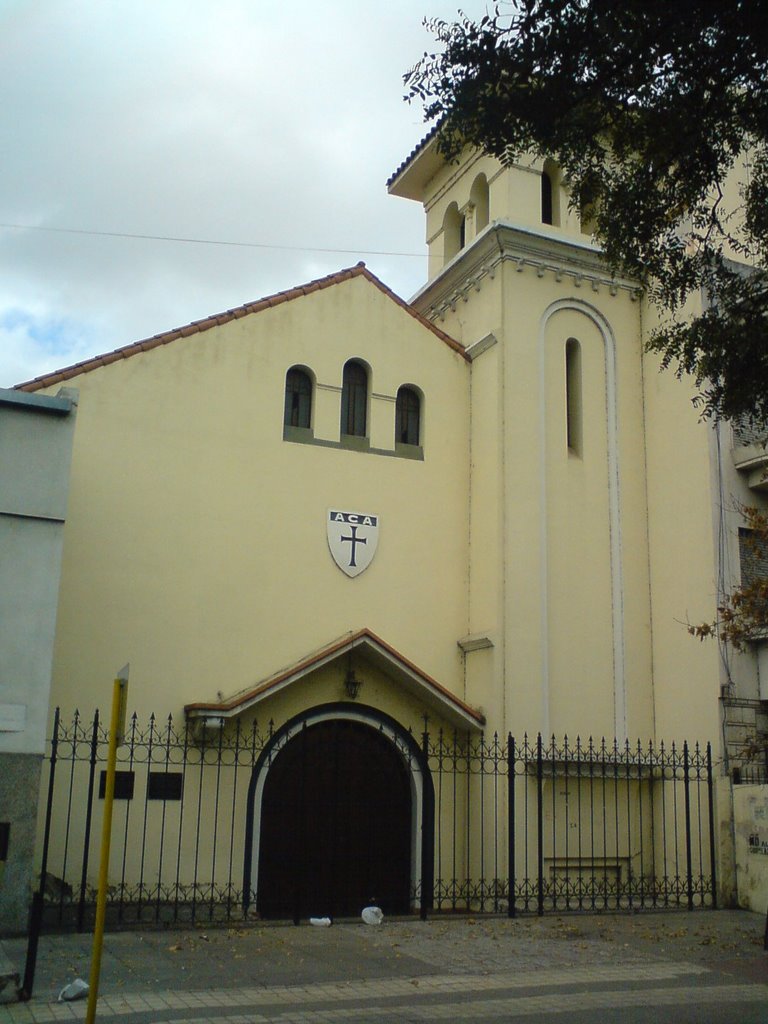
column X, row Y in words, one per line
column 352, row 538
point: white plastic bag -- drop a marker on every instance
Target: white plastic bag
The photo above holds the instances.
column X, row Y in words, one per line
column 77, row 989
column 372, row 915
column 320, row 922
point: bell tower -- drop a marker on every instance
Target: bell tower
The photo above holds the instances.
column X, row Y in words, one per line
column 554, row 339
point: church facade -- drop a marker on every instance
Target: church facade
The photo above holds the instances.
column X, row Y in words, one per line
column 355, row 520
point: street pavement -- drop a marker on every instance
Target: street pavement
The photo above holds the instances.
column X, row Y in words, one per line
column 704, row 967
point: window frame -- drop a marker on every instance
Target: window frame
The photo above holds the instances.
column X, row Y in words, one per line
column 298, row 400
column 354, row 400
column 406, row 394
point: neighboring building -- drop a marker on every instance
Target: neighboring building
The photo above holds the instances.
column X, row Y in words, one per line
column 488, row 507
column 36, row 434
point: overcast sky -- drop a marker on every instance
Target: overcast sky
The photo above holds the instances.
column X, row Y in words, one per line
column 244, row 121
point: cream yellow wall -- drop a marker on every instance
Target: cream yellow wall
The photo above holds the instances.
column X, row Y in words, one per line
column 453, row 184
column 560, row 540
column 485, row 665
column 514, row 195
column 577, row 576
column 596, row 587
column 478, row 317
column 196, row 546
column 682, row 507
column 579, row 604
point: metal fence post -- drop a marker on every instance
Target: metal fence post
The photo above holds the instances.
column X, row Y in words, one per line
column 36, row 914
column 540, row 825
column 688, row 856
column 511, row 908
column 711, row 805
column 427, row 877
column 88, row 817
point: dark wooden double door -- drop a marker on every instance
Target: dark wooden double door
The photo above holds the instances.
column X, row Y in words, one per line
column 335, row 829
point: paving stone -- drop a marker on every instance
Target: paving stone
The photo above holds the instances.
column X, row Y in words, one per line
column 586, row 967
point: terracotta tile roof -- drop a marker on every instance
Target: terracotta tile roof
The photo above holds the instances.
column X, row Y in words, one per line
column 198, row 326
column 362, row 638
column 414, row 152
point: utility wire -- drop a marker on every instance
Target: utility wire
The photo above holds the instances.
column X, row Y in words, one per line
column 210, row 241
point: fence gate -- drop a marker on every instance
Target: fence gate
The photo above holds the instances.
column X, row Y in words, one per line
column 516, row 826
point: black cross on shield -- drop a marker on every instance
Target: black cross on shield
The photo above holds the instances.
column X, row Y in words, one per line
column 352, row 539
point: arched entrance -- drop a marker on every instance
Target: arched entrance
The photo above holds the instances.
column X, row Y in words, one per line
column 335, row 824
column 340, row 813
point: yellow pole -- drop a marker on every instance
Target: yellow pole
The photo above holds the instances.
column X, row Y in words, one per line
column 116, row 730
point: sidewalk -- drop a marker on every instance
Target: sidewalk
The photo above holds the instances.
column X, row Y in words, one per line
column 634, row 967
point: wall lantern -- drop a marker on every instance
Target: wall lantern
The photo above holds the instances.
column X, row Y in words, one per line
column 351, row 683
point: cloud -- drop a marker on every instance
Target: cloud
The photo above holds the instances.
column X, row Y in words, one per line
column 28, row 342
column 237, row 121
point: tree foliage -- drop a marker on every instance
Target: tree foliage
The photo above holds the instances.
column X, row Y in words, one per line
column 647, row 107
column 742, row 617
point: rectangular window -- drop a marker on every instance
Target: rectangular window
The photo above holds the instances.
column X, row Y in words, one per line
column 5, row 835
column 123, row 785
column 753, row 555
column 164, row 786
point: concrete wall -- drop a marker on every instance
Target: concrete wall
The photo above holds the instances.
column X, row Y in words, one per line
column 19, row 789
column 750, row 814
column 36, row 434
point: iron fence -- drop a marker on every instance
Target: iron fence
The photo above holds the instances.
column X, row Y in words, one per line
column 503, row 825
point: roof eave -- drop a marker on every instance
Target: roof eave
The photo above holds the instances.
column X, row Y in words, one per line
column 410, row 179
column 219, row 319
column 375, row 650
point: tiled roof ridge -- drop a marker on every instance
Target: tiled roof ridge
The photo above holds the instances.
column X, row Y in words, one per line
column 218, row 319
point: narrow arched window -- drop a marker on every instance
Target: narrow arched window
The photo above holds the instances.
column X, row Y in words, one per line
column 407, row 416
column 550, row 193
column 478, row 196
column 546, row 198
column 354, row 400
column 587, row 215
column 298, row 399
column 453, row 232
column 573, row 399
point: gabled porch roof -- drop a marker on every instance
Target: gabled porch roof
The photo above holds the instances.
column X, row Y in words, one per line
column 374, row 650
